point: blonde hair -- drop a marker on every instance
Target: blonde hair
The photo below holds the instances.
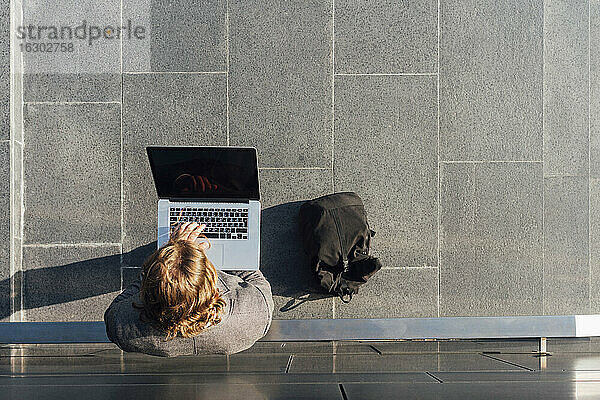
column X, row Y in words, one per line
column 178, row 290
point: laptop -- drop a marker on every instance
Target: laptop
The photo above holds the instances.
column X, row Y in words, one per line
column 216, row 186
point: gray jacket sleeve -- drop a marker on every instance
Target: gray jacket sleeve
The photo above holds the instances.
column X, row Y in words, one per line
column 109, row 314
column 132, row 289
column 257, row 279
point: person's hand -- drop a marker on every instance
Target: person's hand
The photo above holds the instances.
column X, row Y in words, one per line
column 189, row 231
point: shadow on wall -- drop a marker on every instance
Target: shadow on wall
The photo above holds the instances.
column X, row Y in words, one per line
column 282, row 262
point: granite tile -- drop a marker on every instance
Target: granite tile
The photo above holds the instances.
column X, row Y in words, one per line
column 137, row 51
column 70, row 283
column 16, row 291
column 16, row 80
column 285, row 186
column 72, row 173
column 594, row 244
column 491, row 80
column 394, row 293
column 594, row 81
column 168, row 110
column 566, row 84
column 296, row 292
column 87, row 49
column 386, row 151
column 4, row 105
column 62, row 87
column 280, row 81
column 5, row 230
column 5, row 69
column 16, row 166
column 491, row 244
column 5, row 179
column 11, row 76
column 175, row 46
column 566, row 237
column 384, row 36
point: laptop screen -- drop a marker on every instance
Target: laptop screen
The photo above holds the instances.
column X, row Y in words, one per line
column 205, row 172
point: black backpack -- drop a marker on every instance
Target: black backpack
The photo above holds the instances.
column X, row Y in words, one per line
column 336, row 238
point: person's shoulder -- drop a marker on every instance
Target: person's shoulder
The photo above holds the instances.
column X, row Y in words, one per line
column 233, row 285
column 123, row 318
column 226, row 283
column 132, row 332
column 245, row 297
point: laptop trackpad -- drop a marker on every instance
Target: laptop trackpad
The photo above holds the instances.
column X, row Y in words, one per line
column 215, row 255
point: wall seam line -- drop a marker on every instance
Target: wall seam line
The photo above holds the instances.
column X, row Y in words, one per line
column 22, row 316
column 81, row 244
column 589, row 156
column 173, row 72
column 388, row 74
column 333, row 310
column 543, row 160
column 489, row 161
column 297, row 168
column 69, row 102
column 122, row 197
column 227, row 68
column 439, row 204
column 122, row 177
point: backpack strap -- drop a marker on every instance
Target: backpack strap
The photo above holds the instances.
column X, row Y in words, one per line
column 344, row 291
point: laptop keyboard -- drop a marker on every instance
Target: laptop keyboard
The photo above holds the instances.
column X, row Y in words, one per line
column 221, row 223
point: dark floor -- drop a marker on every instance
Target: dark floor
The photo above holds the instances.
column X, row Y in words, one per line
column 329, row 370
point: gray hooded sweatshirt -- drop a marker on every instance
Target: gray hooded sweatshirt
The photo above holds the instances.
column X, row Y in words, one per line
column 246, row 318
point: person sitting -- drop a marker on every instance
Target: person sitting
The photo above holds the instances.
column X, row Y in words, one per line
column 181, row 305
